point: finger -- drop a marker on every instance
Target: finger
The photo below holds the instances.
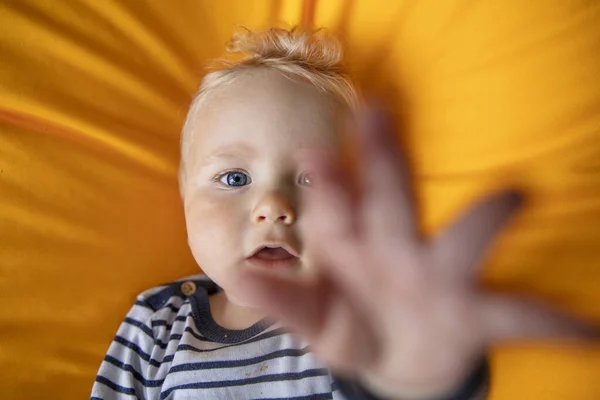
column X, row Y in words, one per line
column 329, row 225
column 388, row 204
column 297, row 303
column 507, row 318
column 316, row 312
column 460, row 248
column 328, row 205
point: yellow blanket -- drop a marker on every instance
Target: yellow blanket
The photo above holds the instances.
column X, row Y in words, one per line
column 92, row 95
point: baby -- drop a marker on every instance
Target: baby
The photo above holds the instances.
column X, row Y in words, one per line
column 384, row 307
column 243, row 169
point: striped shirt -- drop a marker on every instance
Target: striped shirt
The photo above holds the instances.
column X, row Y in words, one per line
column 170, row 347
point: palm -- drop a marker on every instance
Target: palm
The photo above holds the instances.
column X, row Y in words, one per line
column 401, row 313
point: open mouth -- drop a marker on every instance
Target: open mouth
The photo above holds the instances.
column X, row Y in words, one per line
column 273, row 257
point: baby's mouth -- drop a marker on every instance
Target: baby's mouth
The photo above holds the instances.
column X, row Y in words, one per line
column 273, row 253
column 273, row 257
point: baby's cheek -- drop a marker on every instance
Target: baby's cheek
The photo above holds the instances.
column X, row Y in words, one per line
column 205, row 226
column 213, row 231
column 203, row 210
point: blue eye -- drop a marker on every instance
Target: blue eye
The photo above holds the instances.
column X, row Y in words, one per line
column 235, row 178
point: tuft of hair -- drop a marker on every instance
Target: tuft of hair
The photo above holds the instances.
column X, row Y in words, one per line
column 309, row 55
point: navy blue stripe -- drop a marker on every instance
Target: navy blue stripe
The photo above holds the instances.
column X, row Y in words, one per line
column 137, row 349
column 132, row 346
column 147, row 331
column 162, row 322
column 173, row 308
column 266, row 335
column 189, row 330
column 239, row 363
column 249, row 381
column 129, row 368
column 168, row 358
column 161, row 344
column 95, row 398
column 318, row 396
column 140, row 325
column 114, row 386
column 175, row 336
column 144, row 304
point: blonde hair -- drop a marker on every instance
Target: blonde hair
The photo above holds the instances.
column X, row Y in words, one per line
column 312, row 56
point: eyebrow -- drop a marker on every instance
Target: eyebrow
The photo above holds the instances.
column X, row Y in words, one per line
column 232, row 150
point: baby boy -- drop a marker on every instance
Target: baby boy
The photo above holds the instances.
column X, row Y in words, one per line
column 385, row 308
column 244, row 167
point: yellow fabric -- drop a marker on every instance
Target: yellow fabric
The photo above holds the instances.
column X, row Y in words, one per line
column 92, row 97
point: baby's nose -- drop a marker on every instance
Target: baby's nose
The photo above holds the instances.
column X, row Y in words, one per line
column 274, row 207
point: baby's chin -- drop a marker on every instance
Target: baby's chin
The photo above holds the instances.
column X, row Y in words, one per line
column 235, row 283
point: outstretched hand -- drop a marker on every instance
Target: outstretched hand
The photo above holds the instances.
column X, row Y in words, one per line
column 401, row 314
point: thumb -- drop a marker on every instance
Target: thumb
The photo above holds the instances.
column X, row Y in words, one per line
column 460, row 248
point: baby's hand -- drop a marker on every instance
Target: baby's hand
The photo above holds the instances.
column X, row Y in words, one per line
column 400, row 314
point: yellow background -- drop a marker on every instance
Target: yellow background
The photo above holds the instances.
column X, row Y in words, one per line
column 92, row 98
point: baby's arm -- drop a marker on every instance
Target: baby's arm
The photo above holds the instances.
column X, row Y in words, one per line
column 123, row 372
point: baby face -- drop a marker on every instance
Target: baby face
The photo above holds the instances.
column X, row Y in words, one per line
column 247, row 168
